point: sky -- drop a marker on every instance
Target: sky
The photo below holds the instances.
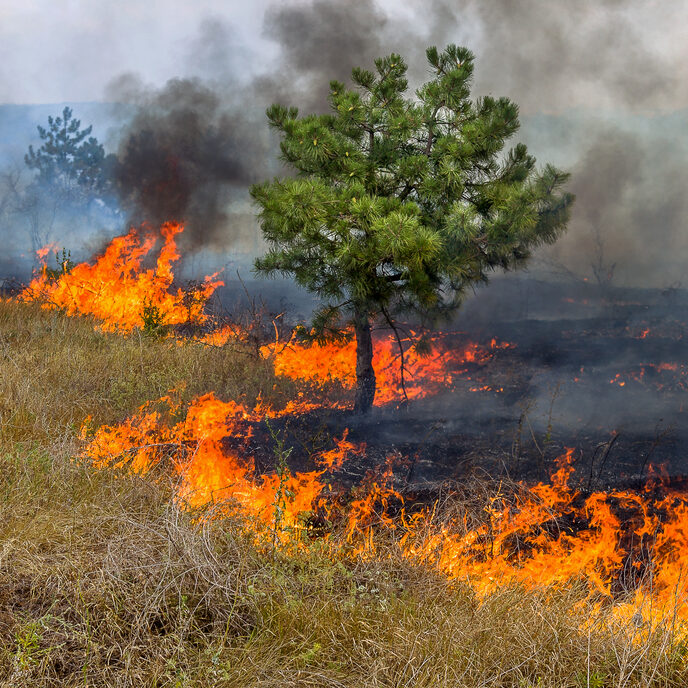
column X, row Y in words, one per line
column 547, row 54
column 602, row 87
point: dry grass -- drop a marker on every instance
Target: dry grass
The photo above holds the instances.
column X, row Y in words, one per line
column 58, row 370
column 105, row 582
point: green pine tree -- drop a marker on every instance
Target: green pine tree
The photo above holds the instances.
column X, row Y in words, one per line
column 400, row 204
column 73, row 178
column 69, row 159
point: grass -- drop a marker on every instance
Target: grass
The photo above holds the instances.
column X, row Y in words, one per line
column 58, row 370
column 104, row 581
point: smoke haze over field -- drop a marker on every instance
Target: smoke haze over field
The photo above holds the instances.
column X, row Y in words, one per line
column 600, row 85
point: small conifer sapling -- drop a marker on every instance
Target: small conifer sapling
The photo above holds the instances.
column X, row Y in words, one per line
column 399, row 204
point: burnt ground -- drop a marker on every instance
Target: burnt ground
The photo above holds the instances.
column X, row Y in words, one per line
column 603, row 371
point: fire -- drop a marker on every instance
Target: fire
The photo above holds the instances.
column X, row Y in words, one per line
column 522, row 542
column 41, row 253
column 209, row 451
column 424, row 375
column 546, row 535
column 651, row 373
column 334, row 458
column 116, row 289
column 568, row 299
column 122, row 295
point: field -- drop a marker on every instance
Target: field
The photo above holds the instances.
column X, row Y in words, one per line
column 106, row 579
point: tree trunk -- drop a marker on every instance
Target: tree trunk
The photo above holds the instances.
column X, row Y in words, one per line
column 365, row 374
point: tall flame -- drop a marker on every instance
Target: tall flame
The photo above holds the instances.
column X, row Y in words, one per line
column 116, row 289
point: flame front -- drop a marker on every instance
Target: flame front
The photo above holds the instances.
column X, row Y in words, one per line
column 116, row 290
column 424, row 374
column 548, row 535
column 522, row 539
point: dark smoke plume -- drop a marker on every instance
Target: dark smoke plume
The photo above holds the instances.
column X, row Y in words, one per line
column 544, row 55
column 319, row 42
column 183, row 157
column 193, row 147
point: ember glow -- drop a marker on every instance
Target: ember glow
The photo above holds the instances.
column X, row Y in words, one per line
column 116, row 289
column 659, row 375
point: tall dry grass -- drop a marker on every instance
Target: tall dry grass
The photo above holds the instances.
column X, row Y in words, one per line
column 105, row 581
column 57, row 370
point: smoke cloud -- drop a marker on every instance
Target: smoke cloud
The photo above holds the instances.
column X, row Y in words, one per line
column 631, row 212
column 596, row 81
column 194, row 146
column 184, row 156
column 593, row 53
column 319, row 42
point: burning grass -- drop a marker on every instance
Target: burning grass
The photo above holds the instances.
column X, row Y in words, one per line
column 118, row 291
column 148, row 546
column 122, row 296
column 108, row 579
column 546, row 535
column 105, row 580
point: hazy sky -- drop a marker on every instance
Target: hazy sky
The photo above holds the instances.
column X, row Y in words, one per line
column 548, row 55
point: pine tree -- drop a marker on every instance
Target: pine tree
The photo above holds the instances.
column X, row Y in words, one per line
column 69, row 159
column 73, row 179
column 399, row 204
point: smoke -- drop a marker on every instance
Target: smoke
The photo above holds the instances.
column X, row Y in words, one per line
column 193, row 147
column 592, row 53
column 319, row 42
column 628, row 225
column 606, row 73
column 184, row 156
column 546, row 56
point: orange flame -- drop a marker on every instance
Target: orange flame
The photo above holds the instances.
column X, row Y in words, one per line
column 116, row 289
column 545, row 536
column 424, row 375
column 334, row 458
column 209, row 452
column 523, row 542
column 42, row 252
column 523, row 539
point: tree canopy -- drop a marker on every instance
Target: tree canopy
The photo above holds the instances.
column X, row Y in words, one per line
column 69, row 157
column 399, row 204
